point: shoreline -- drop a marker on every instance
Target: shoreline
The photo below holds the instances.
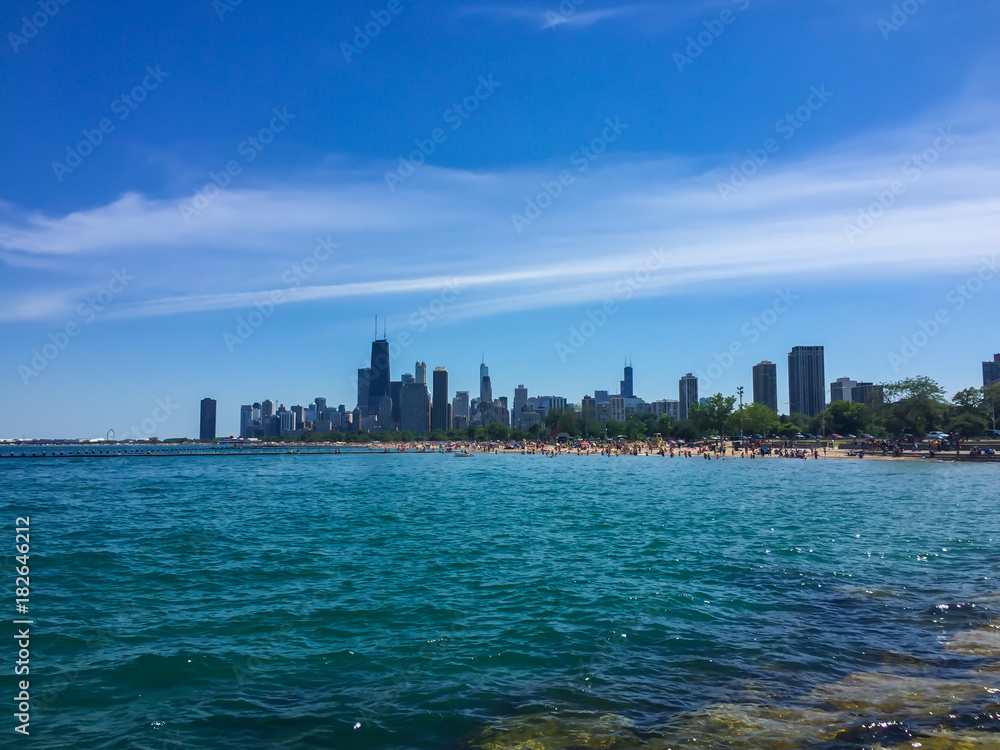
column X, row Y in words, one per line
column 312, row 449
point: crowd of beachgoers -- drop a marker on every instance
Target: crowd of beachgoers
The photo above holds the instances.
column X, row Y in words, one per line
column 718, row 450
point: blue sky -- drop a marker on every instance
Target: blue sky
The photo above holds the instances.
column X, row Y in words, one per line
column 685, row 165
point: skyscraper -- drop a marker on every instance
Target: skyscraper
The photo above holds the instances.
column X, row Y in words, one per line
column 439, row 409
column 520, row 403
column 394, row 391
column 485, row 392
column 246, row 420
column 208, row 407
column 421, row 372
column 460, row 407
column 991, row 371
column 364, row 389
column 381, row 409
column 266, row 409
column 765, row 384
column 485, row 387
column 413, row 408
column 626, row 385
column 806, row 380
column 378, row 380
column 687, row 394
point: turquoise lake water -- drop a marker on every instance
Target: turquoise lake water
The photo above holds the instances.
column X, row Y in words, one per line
column 421, row 601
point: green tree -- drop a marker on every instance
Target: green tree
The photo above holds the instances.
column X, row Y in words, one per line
column 968, row 424
column 664, row 425
column 592, row 429
column 759, row 419
column 569, row 422
column 971, row 401
column 714, row 414
column 615, row 428
column 635, row 428
column 916, row 405
column 849, row 418
column 685, row 429
column 498, row 431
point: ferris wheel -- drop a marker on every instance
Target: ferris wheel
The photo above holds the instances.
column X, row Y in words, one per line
column 111, row 435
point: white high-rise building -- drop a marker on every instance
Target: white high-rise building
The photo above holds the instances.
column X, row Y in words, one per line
column 688, row 394
column 841, row 388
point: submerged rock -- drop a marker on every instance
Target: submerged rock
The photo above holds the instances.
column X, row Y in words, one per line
column 558, row 731
column 887, row 695
column 752, row 727
column 982, row 642
column 971, row 740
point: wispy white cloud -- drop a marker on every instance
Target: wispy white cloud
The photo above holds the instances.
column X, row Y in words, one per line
column 787, row 221
column 579, row 15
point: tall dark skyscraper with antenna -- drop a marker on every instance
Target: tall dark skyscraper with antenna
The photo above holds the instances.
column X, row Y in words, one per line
column 627, row 389
column 378, row 379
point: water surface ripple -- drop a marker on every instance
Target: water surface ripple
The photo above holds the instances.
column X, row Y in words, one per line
column 417, row 601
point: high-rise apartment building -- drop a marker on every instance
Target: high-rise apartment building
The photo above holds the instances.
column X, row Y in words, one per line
column 289, row 421
column 460, row 407
column 364, row 389
column 991, row 371
column 806, row 380
column 246, row 420
column 841, row 389
column 868, row 393
column 687, row 395
column 439, row 408
column 664, row 408
column 208, row 407
column 520, row 403
column 765, row 384
column 618, row 408
column 414, row 408
column 381, row 410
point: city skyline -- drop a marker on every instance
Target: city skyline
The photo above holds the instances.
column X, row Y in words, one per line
column 656, row 388
column 411, row 407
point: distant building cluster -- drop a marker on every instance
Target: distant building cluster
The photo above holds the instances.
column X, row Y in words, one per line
column 412, row 404
column 265, row 420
